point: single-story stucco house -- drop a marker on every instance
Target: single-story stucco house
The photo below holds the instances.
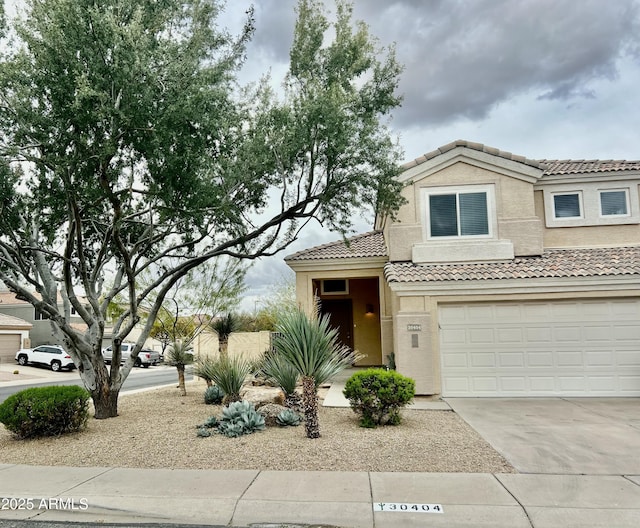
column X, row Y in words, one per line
column 500, row 276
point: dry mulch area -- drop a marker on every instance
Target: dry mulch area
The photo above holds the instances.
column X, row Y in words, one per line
column 157, row 429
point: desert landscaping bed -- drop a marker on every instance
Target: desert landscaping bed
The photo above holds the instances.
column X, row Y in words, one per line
column 156, row 429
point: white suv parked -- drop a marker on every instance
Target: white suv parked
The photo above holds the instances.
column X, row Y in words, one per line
column 53, row 356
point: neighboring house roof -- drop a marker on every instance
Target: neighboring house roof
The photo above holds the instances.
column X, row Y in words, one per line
column 13, row 323
column 553, row 263
column 369, row 244
column 548, row 166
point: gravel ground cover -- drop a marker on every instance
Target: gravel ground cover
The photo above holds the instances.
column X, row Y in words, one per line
column 156, row 429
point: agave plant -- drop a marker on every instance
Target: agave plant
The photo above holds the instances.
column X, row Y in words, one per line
column 313, row 349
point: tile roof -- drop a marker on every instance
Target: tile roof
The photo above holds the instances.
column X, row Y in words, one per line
column 15, row 322
column 586, row 166
column 474, row 146
column 548, row 166
column 553, row 263
column 369, row 244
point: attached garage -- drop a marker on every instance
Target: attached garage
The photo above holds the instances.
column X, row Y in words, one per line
column 9, row 345
column 568, row 348
column 13, row 333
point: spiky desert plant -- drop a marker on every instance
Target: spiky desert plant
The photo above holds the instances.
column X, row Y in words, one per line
column 180, row 355
column 224, row 326
column 202, row 367
column 313, row 348
column 278, row 370
column 229, row 374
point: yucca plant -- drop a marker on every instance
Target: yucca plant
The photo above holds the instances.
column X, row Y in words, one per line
column 278, row 370
column 224, row 326
column 180, row 355
column 229, row 374
column 313, row 348
column 202, row 369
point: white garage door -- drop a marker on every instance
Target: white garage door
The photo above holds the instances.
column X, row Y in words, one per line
column 9, row 345
column 583, row 348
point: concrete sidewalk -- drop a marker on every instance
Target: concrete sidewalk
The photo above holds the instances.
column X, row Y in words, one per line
column 344, row 499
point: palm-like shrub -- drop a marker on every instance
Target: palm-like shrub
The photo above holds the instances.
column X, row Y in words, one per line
column 312, row 348
column 278, row 370
column 180, row 355
column 229, row 374
column 224, row 326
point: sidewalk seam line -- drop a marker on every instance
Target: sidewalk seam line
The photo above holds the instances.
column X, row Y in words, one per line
column 514, row 498
column 373, row 514
column 235, row 506
column 107, row 470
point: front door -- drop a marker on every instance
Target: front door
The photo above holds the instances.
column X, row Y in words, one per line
column 341, row 317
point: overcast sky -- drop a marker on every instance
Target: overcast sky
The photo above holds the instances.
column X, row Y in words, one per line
column 552, row 79
column 539, row 78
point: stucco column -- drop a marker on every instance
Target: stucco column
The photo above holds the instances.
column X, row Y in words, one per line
column 413, row 349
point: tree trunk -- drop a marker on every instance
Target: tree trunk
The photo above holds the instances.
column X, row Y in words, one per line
column 223, row 348
column 181, row 385
column 105, row 402
column 310, row 403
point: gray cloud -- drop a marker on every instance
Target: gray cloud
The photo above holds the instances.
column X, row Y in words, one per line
column 464, row 57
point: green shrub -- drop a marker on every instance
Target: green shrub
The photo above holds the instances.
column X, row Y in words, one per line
column 378, row 395
column 45, row 411
column 213, row 395
column 240, row 418
column 288, row 418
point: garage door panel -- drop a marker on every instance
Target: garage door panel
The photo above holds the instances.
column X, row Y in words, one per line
column 538, row 335
column 599, row 358
column 555, row 348
column 509, row 335
column 569, row 358
column 481, row 335
column 483, row 359
column 511, row 359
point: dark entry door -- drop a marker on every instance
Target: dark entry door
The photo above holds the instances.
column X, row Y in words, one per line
column 341, row 317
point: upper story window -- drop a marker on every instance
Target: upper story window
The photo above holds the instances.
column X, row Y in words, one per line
column 39, row 315
column 614, row 203
column 591, row 204
column 567, row 205
column 459, row 212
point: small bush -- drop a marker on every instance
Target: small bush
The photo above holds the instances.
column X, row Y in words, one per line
column 213, row 395
column 288, row 418
column 45, row 411
column 378, row 395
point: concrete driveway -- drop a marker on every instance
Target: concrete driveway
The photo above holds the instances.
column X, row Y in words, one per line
column 594, row 436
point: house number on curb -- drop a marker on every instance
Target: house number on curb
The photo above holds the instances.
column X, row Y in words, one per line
column 407, row 507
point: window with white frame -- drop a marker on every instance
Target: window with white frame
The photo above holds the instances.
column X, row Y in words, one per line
column 458, row 212
column 567, row 205
column 591, row 204
column 614, row 203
